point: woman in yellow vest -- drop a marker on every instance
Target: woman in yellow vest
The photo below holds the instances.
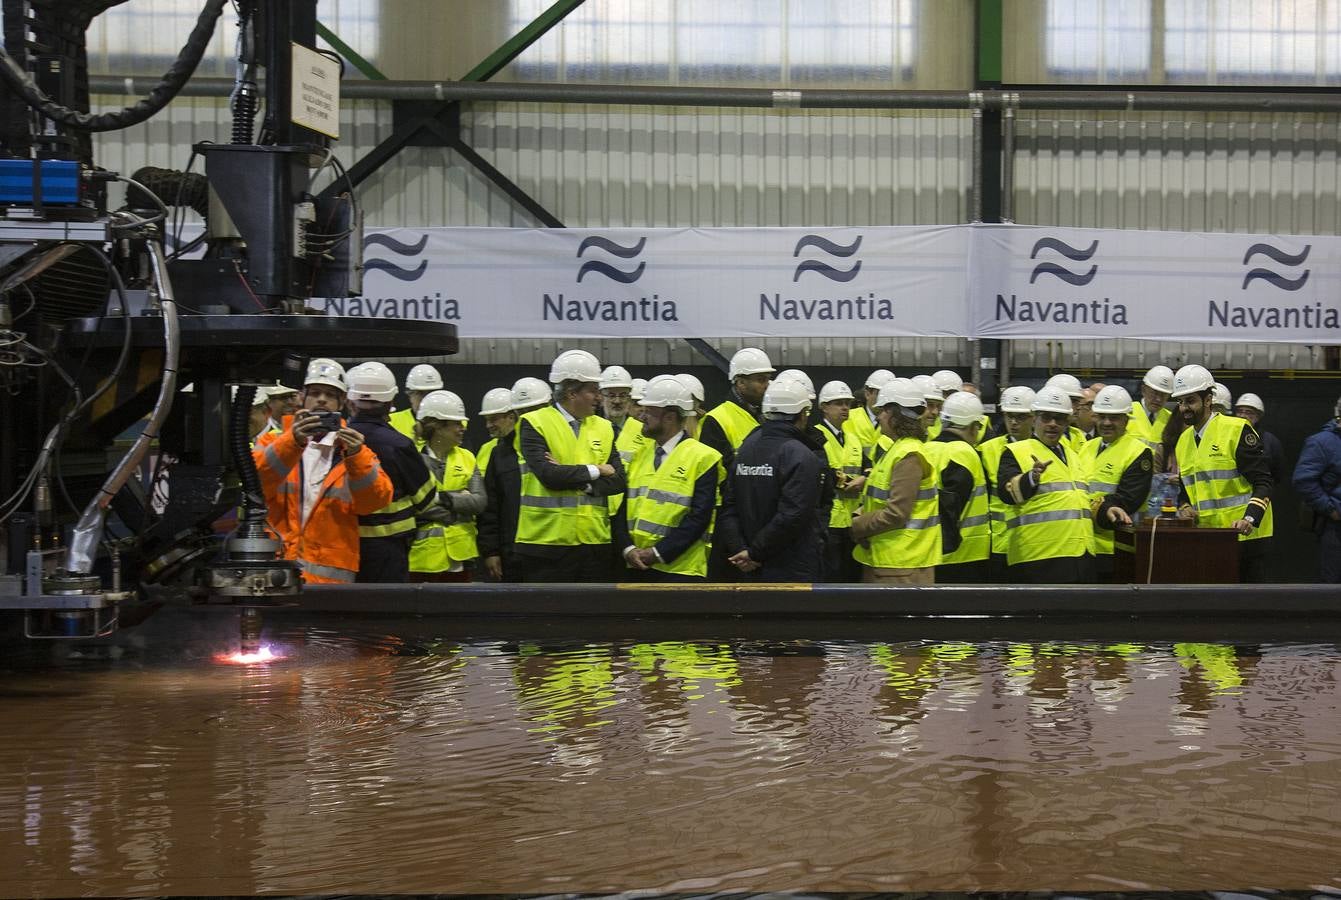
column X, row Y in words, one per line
column 1051, row 539
column 664, row 527
column 1118, row 467
column 898, row 532
column 444, row 539
column 1226, row 478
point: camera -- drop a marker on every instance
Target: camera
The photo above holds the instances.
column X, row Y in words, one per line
column 330, row 421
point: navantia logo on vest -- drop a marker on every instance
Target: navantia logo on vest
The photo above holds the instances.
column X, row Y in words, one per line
column 599, row 293
column 391, row 268
column 822, row 266
column 1052, row 295
column 1271, row 273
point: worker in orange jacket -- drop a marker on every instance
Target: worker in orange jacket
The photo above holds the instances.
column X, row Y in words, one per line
column 318, row 479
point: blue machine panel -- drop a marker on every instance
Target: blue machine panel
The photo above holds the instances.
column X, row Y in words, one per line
column 56, row 184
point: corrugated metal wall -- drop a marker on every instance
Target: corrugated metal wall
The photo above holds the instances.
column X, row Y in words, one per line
column 613, row 166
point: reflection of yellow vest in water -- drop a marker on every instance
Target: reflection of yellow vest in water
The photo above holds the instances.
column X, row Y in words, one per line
column 1219, row 662
column 559, row 690
column 689, row 664
column 436, row 546
column 1210, row 474
column 565, row 518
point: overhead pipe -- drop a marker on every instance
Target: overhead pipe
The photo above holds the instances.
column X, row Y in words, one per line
column 647, row 95
column 1008, row 157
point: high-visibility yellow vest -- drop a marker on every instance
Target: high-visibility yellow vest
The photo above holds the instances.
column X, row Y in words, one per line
column 845, row 459
column 999, row 512
column 1103, row 472
column 436, row 546
column 1074, row 440
column 1055, row 522
column 660, row 498
column 1143, row 429
column 736, row 421
column 860, row 427
column 565, row 518
column 629, row 440
column 917, row 545
column 482, row 455
column 403, row 421
column 975, row 535
column 934, row 429
column 1211, row 476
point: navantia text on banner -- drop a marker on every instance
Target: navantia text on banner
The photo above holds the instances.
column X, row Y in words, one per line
column 1031, row 282
column 647, row 283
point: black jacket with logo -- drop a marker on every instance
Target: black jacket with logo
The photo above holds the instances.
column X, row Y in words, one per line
column 775, row 506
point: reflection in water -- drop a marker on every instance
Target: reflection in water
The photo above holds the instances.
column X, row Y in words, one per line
column 403, row 763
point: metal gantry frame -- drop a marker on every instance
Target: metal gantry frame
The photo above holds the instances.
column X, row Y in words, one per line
column 429, row 112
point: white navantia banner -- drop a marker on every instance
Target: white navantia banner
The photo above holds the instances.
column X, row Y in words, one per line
column 1007, row 281
column 669, row 282
column 1032, row 282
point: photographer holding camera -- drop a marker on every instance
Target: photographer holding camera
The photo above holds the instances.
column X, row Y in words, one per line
column 319, row 477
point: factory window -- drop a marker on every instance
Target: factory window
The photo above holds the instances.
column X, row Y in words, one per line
column 710, row 41
column 1253, row 41
column 144, row 37
column 1098, row 40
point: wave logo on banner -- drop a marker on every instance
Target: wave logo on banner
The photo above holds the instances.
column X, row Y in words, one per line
column 399, row 249
column 560, row 307
column 822, row 268
column 1075, row 254
column 430, row 305
column 860, row 307
column 1280, row 257
column 614, row 249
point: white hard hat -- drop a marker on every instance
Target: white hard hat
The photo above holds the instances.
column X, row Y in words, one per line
column 835, row 390
column 750, row 361
column 695, row 386
column 962, row 409
column 1112, row 400
column 637, row 388
column 277, row 390
column 1191, row 379
column 616, row 377
column 1252, row 401
column 371, row 381
column 947, row 380
column 1017, row 399
column 575, row 365
column 1068, row 383
column 1053, row 399
column 1221, row 397
column 879, row 378
column 800, row 378
column 443, row 405
column 529, row 392
column 327, row 372
column 785, row 396
column 496, row 402
column 927, row 385
column 1159, row 378
column 903, row 391
column 423, row 378
column 262, row 395
column 668, row 390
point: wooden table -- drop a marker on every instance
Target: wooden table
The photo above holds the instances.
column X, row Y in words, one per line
column 1182, row 553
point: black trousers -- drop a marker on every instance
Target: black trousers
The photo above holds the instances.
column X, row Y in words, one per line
column 839, row 566
column 1063, row 570
column 655, row 576
column 583, row 564
column 384, row 560
column 963, row 573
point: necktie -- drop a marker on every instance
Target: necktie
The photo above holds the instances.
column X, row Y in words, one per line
column 658, row 456
column 577, row 427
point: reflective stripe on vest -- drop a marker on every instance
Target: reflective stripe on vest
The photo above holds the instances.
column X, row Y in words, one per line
column 918, row 544
column 844, row 458
column 331, row 573
column 437, row 547
column 570, row 517
column 999, row 512
column 659, row 499
column 1211, row 476
column 1055, row 522
column 1104, row 471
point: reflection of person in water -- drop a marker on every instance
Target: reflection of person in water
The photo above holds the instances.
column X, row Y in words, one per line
column 564, row 692
column 777, row 685
column 674, row 674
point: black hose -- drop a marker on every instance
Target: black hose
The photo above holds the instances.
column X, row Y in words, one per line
column 239, row 445
column 172, row 82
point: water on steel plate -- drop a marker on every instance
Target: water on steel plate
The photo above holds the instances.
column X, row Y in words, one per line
column 376, row 757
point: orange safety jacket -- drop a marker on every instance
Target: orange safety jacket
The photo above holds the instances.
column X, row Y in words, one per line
column 327, row 547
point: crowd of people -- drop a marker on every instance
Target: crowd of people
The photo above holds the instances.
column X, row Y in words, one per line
column 596, row 476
